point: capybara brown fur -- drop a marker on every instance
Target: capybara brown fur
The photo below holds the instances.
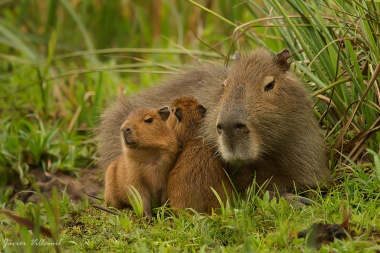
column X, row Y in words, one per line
column 150, row 149
column 265, row 122
column 259, row 118
column 197, row 169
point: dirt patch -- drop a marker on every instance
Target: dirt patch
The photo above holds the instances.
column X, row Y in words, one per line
column 90, row 181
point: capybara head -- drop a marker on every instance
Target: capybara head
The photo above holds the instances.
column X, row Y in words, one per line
column 260, row 107
column 189, row 114
column 146, row 128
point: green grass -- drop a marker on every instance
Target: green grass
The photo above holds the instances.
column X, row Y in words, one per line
column 253, row 224
column 61, row 64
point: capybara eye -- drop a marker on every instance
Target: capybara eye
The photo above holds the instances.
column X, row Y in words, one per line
column 270, row 85
column 149, row 120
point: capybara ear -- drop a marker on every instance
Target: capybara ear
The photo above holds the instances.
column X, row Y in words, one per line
column 178, row 114
column 281, row 59
column 164, row 113
column 202, row 110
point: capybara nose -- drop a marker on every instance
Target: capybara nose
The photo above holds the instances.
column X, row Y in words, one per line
column 127, row 134
column 219, row 128
column 127, row 130
column 232, row 128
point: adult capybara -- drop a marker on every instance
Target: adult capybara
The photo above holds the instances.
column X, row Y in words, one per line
column 260, row 119
column 198, row 170
column 149, row 151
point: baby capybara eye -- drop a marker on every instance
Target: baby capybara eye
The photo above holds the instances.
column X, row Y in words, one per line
column 150, row 120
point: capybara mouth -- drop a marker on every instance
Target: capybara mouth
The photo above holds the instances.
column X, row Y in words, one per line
column 132, row 144
column 129, row 142
column 235, row 155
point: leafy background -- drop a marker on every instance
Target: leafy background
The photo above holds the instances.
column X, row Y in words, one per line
column 61, row 61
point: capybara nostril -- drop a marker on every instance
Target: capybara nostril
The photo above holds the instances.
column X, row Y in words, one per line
column 219, row 128
column 241, row 127
column 232, row 128
column 126, row 131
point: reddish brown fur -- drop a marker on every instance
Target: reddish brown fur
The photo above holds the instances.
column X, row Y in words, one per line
column 150, row 151
column 289, row 149
column 197, row 169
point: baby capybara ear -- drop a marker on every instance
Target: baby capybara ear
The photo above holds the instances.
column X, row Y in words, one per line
column 281, row 59
column 202, row 111
column 164, row 113
column 178, row 114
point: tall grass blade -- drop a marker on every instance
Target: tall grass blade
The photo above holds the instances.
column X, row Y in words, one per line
column 136, row 201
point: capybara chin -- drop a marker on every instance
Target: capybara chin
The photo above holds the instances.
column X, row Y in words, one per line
column 197, row 170
column 150, row 149
column 259, row 117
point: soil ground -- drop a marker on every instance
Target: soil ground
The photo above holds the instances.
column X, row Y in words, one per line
column 89, row 182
